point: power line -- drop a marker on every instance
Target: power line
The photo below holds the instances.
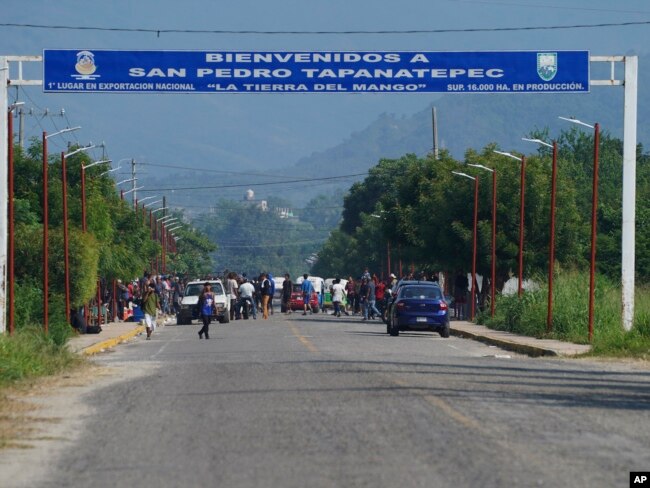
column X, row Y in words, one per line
column 241, row 173
column 558, row 7
column 246, row 185
column 286, row 244
column 158, row 32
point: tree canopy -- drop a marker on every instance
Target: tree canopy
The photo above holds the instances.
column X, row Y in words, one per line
column 416, row 212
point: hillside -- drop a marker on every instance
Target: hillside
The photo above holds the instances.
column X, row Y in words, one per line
column 473, row 121
column 464, row 121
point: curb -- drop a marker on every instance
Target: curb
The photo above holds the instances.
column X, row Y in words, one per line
column 108, row 343
column 526, row 349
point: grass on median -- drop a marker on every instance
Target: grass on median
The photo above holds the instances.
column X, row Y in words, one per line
column 527, row 315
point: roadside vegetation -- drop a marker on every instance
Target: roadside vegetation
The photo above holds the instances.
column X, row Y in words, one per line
column 528, row 315
column 118, row 244
column 414, row 213
column 29, row 354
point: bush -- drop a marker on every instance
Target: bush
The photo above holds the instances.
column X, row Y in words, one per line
column 29, row 353
column 527, row 315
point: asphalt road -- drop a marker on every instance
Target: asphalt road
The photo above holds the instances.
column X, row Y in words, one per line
column 317, row 401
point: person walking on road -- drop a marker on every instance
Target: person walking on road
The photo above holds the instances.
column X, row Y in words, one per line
column 364, row 293
column 307, row 289
column 338, row 294
column 231, row 290
column 461, row 284
column 372, row 299
column 150, row 306
column 206, row 302
column 266, row 290
column 287, row 286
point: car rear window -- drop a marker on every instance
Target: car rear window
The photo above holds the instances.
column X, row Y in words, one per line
column 196, row 289
column 421, row 292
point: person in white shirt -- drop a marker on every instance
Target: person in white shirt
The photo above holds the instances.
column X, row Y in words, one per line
column 246, row 292
column 338, row 293
column 231, row 289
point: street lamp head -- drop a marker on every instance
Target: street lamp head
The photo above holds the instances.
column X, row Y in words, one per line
column 133, row 189
column 464, row 175
column 63, row 131
column 537, row 141
column 15, row 105
column 110, row 171
column 84, row 148
column 480, row 166
column 158, row 210
column 147, row 198
column 152, row 203
column 167, row 218
column 125, row 181
column 97, row 162
column 576, row 121
column 502, row 153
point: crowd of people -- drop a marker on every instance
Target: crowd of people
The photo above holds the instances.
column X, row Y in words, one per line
column 366, row 296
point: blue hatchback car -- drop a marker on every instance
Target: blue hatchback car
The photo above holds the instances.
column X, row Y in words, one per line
column 419, row 307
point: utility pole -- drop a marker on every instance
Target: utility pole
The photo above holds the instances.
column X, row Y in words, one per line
column 133, row 183
column 434, row 123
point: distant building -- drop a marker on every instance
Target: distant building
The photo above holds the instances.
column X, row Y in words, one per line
column 249, row 197
column 284, row 213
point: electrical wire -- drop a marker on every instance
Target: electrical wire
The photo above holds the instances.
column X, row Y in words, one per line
column 242, row 173
column 160, row 31
column 253, row 246
column 244, row 185
column 557, row 7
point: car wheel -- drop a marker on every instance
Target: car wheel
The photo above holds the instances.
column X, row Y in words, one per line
column 315, row 309
column 393, row 327
column 444, row 332
column 225, row 318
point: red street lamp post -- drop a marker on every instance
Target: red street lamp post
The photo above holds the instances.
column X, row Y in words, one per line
column 494, row 235
column 522, row 197
column 474, row 236
column 46, row 250
column 66, row 243
column 551, row 245
column 594, row 214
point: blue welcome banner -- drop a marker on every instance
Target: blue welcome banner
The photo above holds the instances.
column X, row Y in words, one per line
column 74, row 70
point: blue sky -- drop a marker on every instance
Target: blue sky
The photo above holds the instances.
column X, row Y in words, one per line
column 262, row 132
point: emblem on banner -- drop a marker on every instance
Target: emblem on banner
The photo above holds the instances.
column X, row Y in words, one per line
column 547, row 65
column 85, row 66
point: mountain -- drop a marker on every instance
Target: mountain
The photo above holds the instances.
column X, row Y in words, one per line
column 473, row 121
column 464, row 121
